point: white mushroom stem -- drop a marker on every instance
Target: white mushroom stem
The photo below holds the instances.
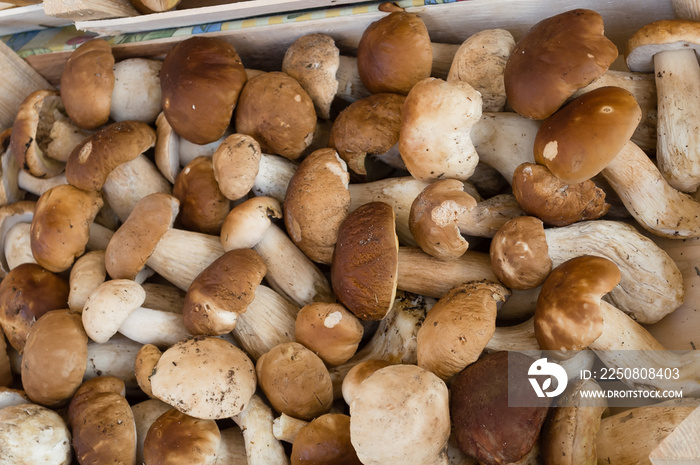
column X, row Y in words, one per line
column 489, row 216
column 286, row 428
column 18, row 249
column 157, row 327
column 181, row 255
column 274, row 173
column 99, row 237
column 145, row 413
column 394, row 340
column 651, row 286
column 232, row 448
column 624, row 343
column 116, row 357
column 262, row 448
column 678, row 91
column 516, row 337
column 582, row 360
column 289, row 271
column 268, row 321
column 37, row 186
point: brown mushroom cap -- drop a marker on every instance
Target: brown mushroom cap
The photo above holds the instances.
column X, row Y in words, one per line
column 102, row 422
column 94, row 158
column 201, row 80
column 295, row 381
column 31, row 130
column 556, row 203
column 330, row 330
column 580, row 139
column 55, row 358
column 203, row 206
column 247, row 222
column 178, row 439
column 458, row 327
column 278, row 113
column 236, row 162
column 554, row 59
column 519, row 253
column 31, row 434
column 146, row 360
column 364, row 271
column 394, row 53
column 484, row 424
column 369, row 126
column 205, row 377
column 26, row 293
column 222, row 291
column 313, row 60
column 568, row 316
column 671, row 34
column 89, row 72
column 61, row 225
column 316, row 204
column 136, row 239
column 325, row 441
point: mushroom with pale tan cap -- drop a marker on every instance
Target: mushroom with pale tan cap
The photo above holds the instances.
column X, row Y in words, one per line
column 325, row 441
column 86, row 274
column 670, row 49
column 204, row 377
column 295, row 381
column 554, row 59
column 278, row 113
column 201, row 80
column 435, row 140
column 102, row 422
column 523, row 253
column 329, row 330
column 89, row 72
column 289, row 271
column 177, row 438
column 31, row 434
column 146, row 360
column 136, row 95
column 570, row 315
column 384, row 432
column 27, row 293
column 61, row 225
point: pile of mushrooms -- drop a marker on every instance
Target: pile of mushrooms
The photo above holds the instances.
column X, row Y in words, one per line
column 351, row 257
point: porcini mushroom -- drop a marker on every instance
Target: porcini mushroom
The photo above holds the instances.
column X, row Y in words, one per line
column 31, row 434
column 177, row 437
column 325, row 441
column 329, row 330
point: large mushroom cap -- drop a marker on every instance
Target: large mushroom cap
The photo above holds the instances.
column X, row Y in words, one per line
column 554, row 59
column 201, row 80
column 176, row 438
column 26, row 293
column 672, row 34
column 364, row 271
column 568, row 315
column 87, row 83
column 236, row 162
column 31, row 434
column 205, row 377
column 580, row 139
column 394, row 53
column 278, row 113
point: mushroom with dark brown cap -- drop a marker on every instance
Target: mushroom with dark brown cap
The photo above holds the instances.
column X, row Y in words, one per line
column 175, row 438
column 325, row 441
column 368, row 127
column 61, row 225
column 147, row 238
column 458, row 327
column 26, row 293
column 289, row 271
column 55, row 358
column 670, row 49
column 364, row 270
column 222, row 291
column 316, row 204
column 201, row 80
column 523, row 253
column 205, row 377
column 102, row 422
column 32, row 434
column 554, row 59
column 329, row 330
column 295, row 381
column 88, row 72
column 435, row 140
column 203, row 207
column 570, row 315
column 555, row 202
column 278, row 113
column 137, row 94
column 496, row 419
column 383, row 431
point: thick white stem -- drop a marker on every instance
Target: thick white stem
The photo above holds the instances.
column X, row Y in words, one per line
column 157, row 327
column 289, row 271
column 262, row 448
column 489, row 216
column 18, row 248
column 517, row 337
column 678, row 91
column 99, row 237
column 274, row 173
column 286, row 428
column 116, row 357
column 38, row 186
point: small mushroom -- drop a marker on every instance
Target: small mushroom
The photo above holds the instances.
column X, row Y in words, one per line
column 330, row 330
column 175, row 437
column 32, row 434
column 86, row 274
column 146, row 360
column 325, row 441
